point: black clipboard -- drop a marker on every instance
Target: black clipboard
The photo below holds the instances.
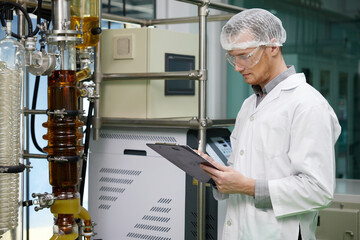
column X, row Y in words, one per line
column 184, row 158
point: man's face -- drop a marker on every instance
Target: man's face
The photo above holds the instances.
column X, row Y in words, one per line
column 253, row 64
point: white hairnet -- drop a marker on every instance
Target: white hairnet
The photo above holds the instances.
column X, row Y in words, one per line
column 252, row 28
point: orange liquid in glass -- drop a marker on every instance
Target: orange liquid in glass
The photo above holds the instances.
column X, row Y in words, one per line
column 88, row 23
column 64, row 135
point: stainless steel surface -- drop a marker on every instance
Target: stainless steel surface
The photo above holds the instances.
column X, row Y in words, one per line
column 60, row 14
column 31, row 155
column 192, row 75
column 22, row 32
column 123, row 122
column 97, row 79
column 216, row 5
column 223, row 122
column 210, row 18
column 29, row 111
column 201, row 203
column 114, row 17
column 150, row 22
column 174, row 123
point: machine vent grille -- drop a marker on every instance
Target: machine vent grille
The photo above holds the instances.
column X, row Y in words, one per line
column 120, row 171
column 150, row 223
column 152, row 228
column 116, row 180
column 145, row 236
column 207, row 235
column 112, row 189
column 164, row 200
column 137, row 137
column 156, row 218
column 160, row 209
column 110, row 185
column 210, row 220
column 104, row 206
column 108, row 198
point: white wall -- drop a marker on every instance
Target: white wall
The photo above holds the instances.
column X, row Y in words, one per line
column 216, row 86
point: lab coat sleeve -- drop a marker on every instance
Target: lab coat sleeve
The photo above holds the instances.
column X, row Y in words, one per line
column 311, row 186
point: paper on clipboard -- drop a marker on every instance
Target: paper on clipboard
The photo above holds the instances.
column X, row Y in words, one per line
column 184, row 158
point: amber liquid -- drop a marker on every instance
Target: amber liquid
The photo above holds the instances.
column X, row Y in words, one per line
column 88, row 23
column 63, row 136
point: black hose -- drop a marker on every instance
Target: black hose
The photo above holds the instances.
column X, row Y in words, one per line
column 33, row 107
column 38, row 20
column 32, row 119
column 12, row 169
column 86, row 150
column 7, row 5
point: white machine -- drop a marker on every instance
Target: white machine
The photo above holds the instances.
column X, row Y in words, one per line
column 341, row 220
column 148, row 50
column 137, row 194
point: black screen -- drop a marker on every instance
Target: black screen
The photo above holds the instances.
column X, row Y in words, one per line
column 176, row 63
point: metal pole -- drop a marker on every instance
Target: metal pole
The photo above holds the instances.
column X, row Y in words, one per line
column 192, row 75
column 140, row 122
column 215, row 5
column 201, row 203
column 25, row 93
column 118, row 18
column 97, row 120
column 151, row 22
column 34, row 155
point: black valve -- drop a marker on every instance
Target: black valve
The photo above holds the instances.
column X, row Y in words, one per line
column 96, row 31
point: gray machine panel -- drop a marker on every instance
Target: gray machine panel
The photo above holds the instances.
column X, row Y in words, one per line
column 135, row 196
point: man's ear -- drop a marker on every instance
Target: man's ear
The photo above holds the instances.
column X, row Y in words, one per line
column 275, row 51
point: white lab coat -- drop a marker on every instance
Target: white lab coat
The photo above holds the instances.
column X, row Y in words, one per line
column 289, row 140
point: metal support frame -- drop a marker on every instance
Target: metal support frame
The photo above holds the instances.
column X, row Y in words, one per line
column 201, row 203
column 22, row 32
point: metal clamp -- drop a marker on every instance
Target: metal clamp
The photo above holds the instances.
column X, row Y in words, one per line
column 62, row 112
column 63, row 158
column 44, row 200
column 87, row 90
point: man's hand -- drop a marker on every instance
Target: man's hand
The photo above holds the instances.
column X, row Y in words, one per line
column 227, row 179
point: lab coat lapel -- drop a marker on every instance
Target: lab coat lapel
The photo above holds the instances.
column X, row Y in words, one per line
column 290, row 83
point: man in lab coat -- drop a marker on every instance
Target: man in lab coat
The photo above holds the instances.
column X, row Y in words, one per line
column 282, row 168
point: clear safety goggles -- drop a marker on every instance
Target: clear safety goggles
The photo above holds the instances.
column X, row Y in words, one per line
column 248, row 60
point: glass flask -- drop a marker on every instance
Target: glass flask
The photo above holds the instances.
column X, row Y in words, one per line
column 85, row 17
column 12, row 67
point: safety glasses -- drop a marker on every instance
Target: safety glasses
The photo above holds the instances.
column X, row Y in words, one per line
column 246, row 60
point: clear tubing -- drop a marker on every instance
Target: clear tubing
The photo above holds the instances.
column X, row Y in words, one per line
column 10, row 85
column 11, row 79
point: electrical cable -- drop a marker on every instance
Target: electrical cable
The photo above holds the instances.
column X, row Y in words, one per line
column 86, row 149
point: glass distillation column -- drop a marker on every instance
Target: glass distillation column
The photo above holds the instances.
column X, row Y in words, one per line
column 64, row 134
column 11, row 81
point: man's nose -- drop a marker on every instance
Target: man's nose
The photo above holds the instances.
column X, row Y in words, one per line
column 239, row 67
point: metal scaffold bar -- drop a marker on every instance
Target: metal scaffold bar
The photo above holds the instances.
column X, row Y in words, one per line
column 192, row 75
column 216, row 5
